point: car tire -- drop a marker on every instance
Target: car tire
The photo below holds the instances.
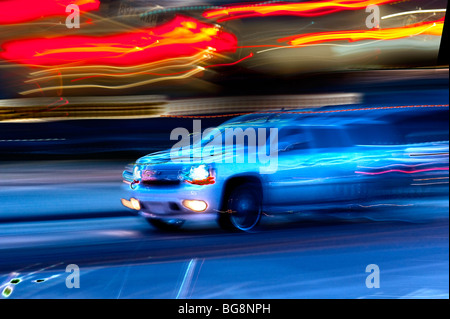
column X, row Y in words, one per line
column 165, row 225
column 242, row 208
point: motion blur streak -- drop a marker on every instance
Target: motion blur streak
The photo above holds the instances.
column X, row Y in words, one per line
column 204, row 57
column 117, row 87
column 313, row 112
column 90, row 74
column 428, row 28
column 304, row 9
column 405, row 172
column 412, row 12
column 229, row 64
column 182, row 36
column 79, row 76
column 19, row 11
column 135, row 68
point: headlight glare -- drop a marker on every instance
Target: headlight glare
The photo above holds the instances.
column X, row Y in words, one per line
column 200, row 175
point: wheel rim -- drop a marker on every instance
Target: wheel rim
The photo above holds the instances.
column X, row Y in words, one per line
column 245, row 210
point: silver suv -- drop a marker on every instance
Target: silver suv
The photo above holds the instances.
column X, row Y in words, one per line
column 322, row 159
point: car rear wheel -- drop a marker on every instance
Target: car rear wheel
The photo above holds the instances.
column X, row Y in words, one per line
column 243, row 208
column 165, row 225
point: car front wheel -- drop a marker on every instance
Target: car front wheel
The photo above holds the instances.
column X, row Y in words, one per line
column 243, row 208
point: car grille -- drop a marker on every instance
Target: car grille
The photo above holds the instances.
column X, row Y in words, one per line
column 161, row 183
column 160, row 176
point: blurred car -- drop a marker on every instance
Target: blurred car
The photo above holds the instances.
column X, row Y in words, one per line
column 331, row 158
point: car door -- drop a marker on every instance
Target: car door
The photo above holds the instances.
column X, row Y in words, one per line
column 316, row 168
column 286, row 187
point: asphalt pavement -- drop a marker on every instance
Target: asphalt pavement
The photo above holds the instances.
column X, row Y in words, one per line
column 124, row 257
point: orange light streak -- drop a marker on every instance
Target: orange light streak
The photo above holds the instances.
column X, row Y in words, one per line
column 305, row 9
column 429, row 28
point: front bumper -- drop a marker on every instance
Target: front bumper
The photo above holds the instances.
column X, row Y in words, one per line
column 167, row 202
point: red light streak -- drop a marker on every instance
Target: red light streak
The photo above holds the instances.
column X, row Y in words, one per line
column 405, row 172
column 404, row 165
column 20, row 11
column 182, row 36
column 229, row 64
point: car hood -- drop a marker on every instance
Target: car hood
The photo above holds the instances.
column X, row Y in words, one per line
column 192, row 156
column 164, row 157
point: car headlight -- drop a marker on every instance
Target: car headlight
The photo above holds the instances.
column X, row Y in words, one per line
column 199, row 175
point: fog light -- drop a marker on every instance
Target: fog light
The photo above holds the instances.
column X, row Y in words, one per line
column 131, row 204
column 135, row 203
column 195, row 205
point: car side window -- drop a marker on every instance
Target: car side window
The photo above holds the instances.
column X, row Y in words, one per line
column 330, row 137
column 375, row 134
column 290, row 139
